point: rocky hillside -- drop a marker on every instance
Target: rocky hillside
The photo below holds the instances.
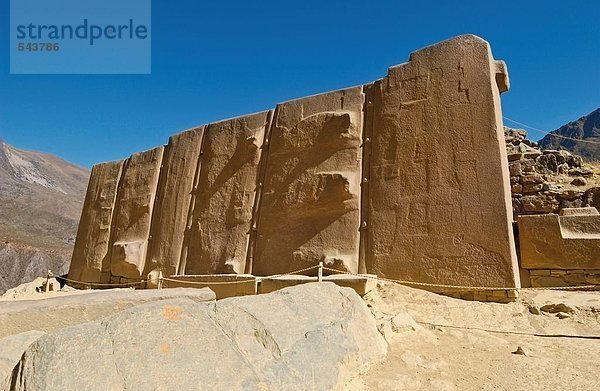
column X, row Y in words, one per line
column 41, row 197
column 586, row 128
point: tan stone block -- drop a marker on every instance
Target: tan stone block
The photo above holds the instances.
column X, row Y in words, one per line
column 532, row 188
column 539, row 272
column 539, row 282
column 223, row 285
column 587, row 211
column 133, row 214
column 593, row 279
column 578, row 278
column 174, row 196
column 90, row 255
column 221, row 218
column 309, row 209
column 422, row 224
column 362, row 284
column 560, row 242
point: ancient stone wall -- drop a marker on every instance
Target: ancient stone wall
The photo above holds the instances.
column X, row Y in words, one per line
column 132, row 216
column 176, row 186
column 217, row 240
column 406, row 177
column 545, row 184
column 92, row 246
column 310, row 203
column 438, row 210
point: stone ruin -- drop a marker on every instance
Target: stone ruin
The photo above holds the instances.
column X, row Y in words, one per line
column 555, row 201
column 406, row 178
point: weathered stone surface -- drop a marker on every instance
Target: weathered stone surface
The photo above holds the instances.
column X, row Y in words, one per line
column 560, row 242
column 178, row 177
column 239, row 343
column 18, row 316
column 422, row 192
column 590, row 210
column 91, row 252
column 310, row 201
column 223, row 285
column 217, row 241
column 539, row 204
column 362, row 284
column 11, row 350
column 579, row 182
column 133, row 214
column 439, row 194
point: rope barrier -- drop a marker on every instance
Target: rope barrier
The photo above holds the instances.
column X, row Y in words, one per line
column 205, row 282
column 576, row 336
column 288, row 274
column 125, row 284
column 377, row 278
column 552, row 134
column 236, row 282
column 463, row 287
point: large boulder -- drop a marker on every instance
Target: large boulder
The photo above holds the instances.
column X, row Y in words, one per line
column 18, row 316
column 11, row 350
column 313, row 336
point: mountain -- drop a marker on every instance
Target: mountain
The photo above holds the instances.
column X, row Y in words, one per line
column 41, row 197
column 586, row 128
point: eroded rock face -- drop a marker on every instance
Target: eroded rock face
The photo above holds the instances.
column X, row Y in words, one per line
column 91, row 253
column 217, row 241
column 176, row 186
column 438, row 192
column 238, row 343
column 309, row 209
column 133, row 214
column 421, row 192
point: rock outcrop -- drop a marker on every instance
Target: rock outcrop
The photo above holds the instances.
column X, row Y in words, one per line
column 405, row 178
column 239, row 343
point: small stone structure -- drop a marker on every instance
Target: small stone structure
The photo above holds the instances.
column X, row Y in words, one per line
column 554, row 194
column 405, row 177
column 561, row 250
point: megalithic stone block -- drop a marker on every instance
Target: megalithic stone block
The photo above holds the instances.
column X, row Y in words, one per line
column 91, row 252
column 217, row 239
column 420, row 192
column 439, row 209
column 173, row 199
column 133, row 214
column 569, row 241
column 309, row 209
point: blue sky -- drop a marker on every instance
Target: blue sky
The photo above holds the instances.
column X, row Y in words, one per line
column 218, row 59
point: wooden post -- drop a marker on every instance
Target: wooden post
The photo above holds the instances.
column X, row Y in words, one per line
column 160, row 280
column 47, row 287
column 320, row 275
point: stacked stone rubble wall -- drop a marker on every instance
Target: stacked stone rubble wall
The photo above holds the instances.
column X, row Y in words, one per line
column 550, row 183
column 533, row 174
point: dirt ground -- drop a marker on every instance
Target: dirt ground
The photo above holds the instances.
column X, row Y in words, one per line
column 460, row 355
